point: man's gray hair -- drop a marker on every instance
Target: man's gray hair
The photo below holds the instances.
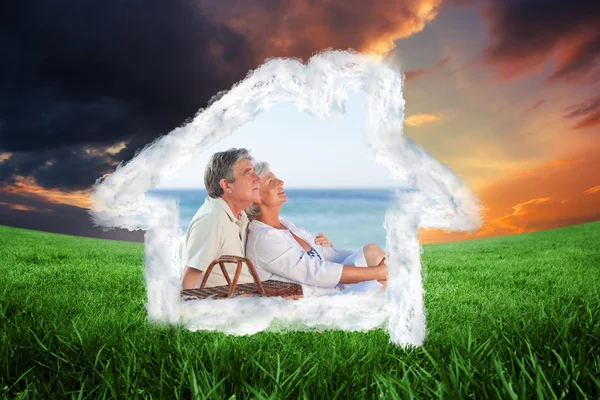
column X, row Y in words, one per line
column 261, row 168
column 220, row 166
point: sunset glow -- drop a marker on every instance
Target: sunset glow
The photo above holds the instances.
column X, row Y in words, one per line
column 506, row 94
column 28, row 187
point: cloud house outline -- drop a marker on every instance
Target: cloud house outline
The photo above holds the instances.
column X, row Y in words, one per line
column 436, row 198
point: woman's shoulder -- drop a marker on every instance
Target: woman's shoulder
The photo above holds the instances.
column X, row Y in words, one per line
column 298, row 230
column 258, row 230
column 256, row 226
column 287, row 223
column 265, row 240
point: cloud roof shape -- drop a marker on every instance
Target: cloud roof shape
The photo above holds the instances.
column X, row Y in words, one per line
column 438, row 199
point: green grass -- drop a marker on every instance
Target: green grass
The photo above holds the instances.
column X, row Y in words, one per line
column 512, row 317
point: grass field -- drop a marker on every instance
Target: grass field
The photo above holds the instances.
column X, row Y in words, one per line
column 511, row 317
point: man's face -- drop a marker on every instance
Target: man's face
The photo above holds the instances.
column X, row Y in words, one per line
column 245, row 187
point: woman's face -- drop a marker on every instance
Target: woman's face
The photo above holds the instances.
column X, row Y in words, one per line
column 271, row 191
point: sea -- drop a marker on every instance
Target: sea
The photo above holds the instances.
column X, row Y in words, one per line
column 350, row 218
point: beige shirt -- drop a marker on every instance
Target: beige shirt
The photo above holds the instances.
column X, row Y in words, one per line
column 213, row 232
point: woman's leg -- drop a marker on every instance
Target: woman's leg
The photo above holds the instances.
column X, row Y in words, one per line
column 373, row 256
column 369, row 255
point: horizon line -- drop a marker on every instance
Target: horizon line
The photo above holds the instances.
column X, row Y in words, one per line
column 305, row 188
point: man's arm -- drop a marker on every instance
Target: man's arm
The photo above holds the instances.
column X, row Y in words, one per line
column 191, row 277
column 202, row 247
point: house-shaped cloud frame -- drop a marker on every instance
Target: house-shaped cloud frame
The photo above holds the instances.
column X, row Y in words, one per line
column 438, row 199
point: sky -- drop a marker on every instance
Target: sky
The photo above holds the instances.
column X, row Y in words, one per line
column 305, row 152
column 506, row 93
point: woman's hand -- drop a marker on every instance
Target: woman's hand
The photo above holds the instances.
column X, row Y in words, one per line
column 381, row 271
column 322, row 240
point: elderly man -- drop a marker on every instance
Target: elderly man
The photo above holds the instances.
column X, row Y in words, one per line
column 220, row 225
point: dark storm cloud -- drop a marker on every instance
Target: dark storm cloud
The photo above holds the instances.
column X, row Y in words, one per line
column 80, row 78
column 64, row 168
column 298, row 28
column 525, row 34
column 83, row 72
column 92, row 72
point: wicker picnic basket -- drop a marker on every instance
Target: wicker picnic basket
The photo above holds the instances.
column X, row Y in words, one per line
column 269, row 288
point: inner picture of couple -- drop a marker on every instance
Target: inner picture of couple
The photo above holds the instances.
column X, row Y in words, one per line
column 241, row 217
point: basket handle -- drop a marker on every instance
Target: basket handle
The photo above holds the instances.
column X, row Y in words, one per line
column 232, row 284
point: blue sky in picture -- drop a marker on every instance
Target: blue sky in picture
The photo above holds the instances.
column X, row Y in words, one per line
column 304, row 151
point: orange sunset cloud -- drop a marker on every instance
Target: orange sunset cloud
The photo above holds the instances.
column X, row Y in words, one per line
column 420, row 119
column 19, row 207
column 27, row 186
column 560, row 193
column 299, row 28
column 592, row 190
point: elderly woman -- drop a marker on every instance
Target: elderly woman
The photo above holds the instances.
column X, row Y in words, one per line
column 280, row 250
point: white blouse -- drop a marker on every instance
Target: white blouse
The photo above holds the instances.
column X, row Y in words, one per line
column 277, row 255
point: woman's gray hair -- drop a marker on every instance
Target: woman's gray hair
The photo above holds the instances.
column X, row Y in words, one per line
column 261, row 168
column 220, row 166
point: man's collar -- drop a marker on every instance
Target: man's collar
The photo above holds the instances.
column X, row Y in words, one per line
column 223, row 204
